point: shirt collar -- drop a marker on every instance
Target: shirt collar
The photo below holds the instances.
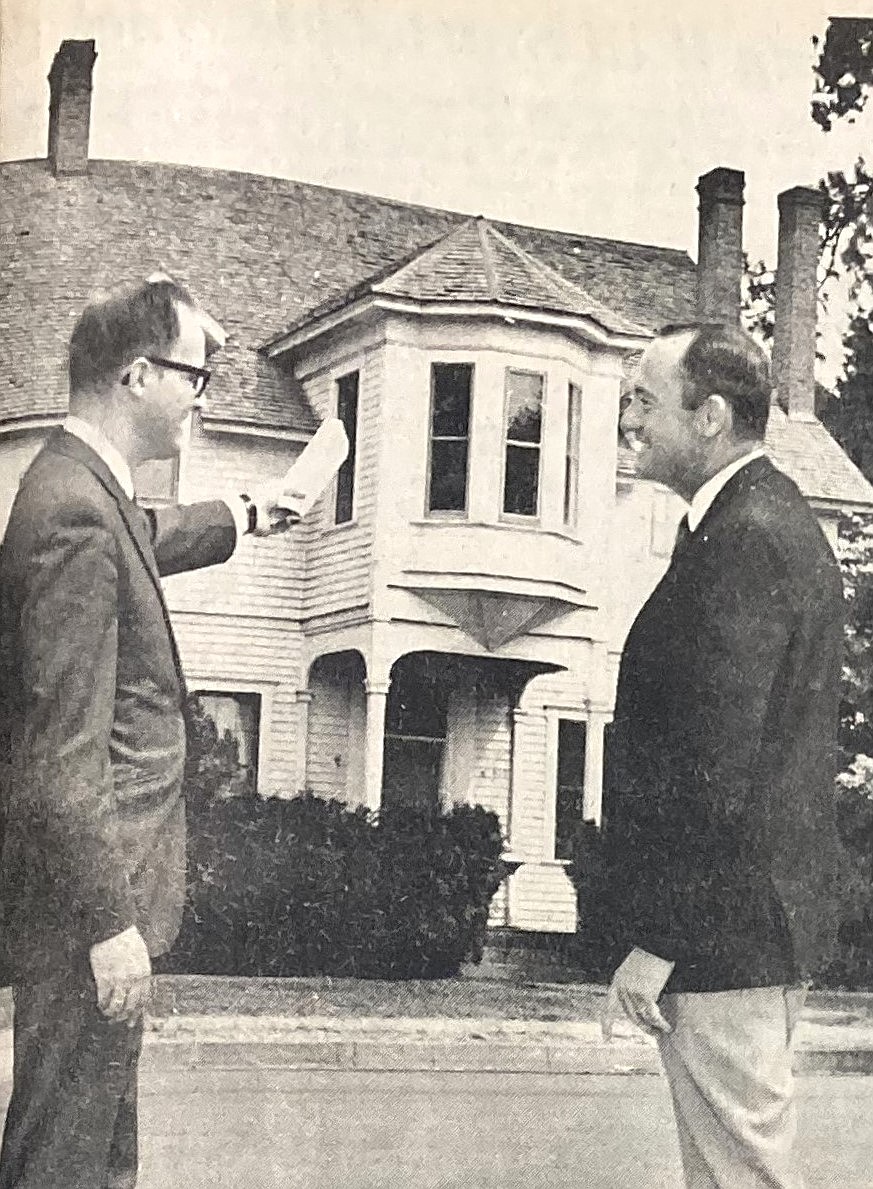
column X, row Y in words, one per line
column 104, row 449
column 704, row 496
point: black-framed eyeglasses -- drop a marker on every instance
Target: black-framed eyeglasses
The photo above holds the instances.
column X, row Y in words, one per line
column 198, row 376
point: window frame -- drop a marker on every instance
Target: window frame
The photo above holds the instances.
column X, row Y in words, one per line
column 573, row 456
column 220, row 687
column 554, row 716
column 352, row 459
column 448, row 513
column 522, row 517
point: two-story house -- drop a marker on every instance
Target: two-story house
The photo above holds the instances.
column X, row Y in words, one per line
column 446, row 625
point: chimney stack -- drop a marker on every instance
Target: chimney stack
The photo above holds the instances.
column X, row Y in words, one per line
column 720, row 245
column 70, row 107
column 800, row 213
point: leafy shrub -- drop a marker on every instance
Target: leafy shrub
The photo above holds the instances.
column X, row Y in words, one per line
column 305, row 886
column 596, row 943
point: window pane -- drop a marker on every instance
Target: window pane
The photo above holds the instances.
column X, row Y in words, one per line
column 522, row 480
column 574, row 415
column 570, row 793
column 347, row 411
column 571, row 474
column 448, row 476
column 524, row 399
column 237, row 724
column 451, row 399
column 571, row 468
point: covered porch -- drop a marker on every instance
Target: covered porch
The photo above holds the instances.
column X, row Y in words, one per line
column 438, row 732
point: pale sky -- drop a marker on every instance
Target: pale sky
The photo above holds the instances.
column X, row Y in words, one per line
column 590, row 117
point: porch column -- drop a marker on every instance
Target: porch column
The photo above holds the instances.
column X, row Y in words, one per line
column 526, row 793
column 374, row 748
column 304, row 700
column 592, row 798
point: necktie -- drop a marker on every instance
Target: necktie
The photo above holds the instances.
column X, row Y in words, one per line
column 683, row 532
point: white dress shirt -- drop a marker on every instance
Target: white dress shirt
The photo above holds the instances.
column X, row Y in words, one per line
column 705, row 495
column 118, row 466
column 104, row 449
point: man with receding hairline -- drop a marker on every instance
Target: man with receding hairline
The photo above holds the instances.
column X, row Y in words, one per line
column 92, row 739
column 719, row 812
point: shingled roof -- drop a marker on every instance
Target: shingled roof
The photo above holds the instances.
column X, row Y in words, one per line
column 261, row 254
column 808, row 454
column 264, row 254
column 476, row 264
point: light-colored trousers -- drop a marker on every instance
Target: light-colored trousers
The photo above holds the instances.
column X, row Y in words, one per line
column 728, row 1064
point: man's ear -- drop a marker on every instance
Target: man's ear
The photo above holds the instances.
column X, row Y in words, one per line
column 135, row 377
column 717, row 416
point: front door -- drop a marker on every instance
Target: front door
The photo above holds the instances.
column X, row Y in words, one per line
column 415, row 735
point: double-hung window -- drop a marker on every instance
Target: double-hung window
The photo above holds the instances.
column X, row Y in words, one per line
column 234, row 720
column 347, row 412
column 523, row 442
column 451, row 397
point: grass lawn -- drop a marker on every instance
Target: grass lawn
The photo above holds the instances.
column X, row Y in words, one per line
column 459, row 998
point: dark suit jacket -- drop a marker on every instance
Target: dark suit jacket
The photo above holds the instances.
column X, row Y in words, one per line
column 92, row 737
column 719, row 809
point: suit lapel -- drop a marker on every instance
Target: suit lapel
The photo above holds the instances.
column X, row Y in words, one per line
column 135, row 521
column 737, row 487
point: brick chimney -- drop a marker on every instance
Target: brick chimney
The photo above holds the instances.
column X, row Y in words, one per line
column 800, row 212
column 70, row 107
column 720, row 245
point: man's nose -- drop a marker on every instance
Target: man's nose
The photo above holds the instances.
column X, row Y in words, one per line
column 629, row 419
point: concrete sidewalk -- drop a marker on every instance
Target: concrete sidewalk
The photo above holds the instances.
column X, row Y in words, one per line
column 835, row 1035
column 221, row 1023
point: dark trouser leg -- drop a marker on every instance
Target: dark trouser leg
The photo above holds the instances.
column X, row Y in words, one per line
column 71, row 1122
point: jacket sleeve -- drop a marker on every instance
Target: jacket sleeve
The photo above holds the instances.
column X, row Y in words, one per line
column 191, row 536
column 706, row 840
column 65, row 818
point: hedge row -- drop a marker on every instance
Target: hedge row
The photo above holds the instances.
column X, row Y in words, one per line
column 304, row 886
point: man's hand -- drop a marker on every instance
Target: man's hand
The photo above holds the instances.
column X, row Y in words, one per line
column 634, row 990
column 122, row 972
column 276, row 508
column 285, row 501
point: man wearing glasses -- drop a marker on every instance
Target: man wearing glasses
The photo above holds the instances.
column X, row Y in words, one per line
column 92, row 740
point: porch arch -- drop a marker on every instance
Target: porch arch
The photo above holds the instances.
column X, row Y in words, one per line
column 335, row 732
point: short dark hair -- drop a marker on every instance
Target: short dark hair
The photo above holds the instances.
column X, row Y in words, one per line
column 724, row 359
column 116, row 327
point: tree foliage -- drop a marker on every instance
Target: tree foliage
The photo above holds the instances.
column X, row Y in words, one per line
column 844, row 79
column 844, row 73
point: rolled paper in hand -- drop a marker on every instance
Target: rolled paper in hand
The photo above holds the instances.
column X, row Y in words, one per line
column 314, row 470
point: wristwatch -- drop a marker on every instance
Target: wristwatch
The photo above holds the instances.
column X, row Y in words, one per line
column 251, row 511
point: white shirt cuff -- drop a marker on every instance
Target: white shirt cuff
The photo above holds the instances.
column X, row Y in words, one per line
column 240, row 513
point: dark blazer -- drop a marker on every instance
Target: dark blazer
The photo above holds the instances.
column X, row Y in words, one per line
column 92, row 739
column 719, row 808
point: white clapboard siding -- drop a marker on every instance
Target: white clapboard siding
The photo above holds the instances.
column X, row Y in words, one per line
column 264, row 577
column 339, row 558
column 255, row 656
